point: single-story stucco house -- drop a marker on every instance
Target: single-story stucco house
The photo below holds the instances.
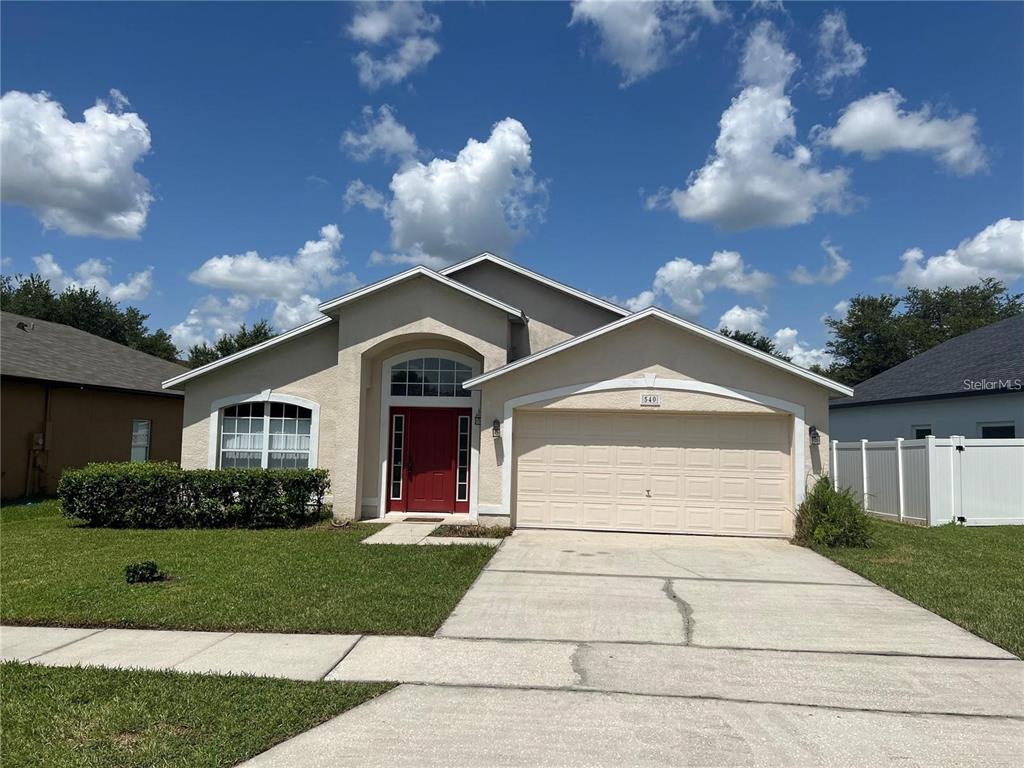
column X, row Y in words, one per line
column 971, row 385
column 68, row 397
column 490, row 392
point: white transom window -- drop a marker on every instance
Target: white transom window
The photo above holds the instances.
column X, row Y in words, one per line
column 430, row 377
column 270, row 435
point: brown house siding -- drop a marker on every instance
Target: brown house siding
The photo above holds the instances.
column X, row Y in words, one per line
column 85, row 424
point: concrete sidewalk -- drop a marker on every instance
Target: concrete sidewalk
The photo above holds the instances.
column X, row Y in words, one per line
column 297, row 657
column 909, row 684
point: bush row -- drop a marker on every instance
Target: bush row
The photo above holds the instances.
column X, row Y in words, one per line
column 162, row 495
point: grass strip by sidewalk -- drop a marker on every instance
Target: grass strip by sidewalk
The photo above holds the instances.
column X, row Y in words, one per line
column 972, row 576
column 63, row 717
column 318, row 579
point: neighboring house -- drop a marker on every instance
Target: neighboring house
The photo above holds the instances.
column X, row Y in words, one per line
column 488, row 390
column 69, row 397
column 971, row 385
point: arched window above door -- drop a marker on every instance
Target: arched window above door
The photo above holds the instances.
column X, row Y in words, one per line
column 427, row 377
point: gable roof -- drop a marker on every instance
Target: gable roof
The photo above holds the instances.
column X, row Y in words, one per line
column 995, row 352
column 568, row 289
column 286, row 336
column 39, row 349
column 419, row 271
column 672, row 320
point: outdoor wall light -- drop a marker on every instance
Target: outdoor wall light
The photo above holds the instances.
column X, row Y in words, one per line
column 476, row 419
column 496, row 428
column 815, row 437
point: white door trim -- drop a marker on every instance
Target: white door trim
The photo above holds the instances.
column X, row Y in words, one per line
column 387, row 401
column 653, row 381
column 266, row 396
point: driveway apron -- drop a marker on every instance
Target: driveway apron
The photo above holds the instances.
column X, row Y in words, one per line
column 577, row 648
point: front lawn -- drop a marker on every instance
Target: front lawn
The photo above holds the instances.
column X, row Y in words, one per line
column 319, row 579
column 972, row 576
column 104, row 717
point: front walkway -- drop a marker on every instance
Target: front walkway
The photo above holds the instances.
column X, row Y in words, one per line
column 420, row 533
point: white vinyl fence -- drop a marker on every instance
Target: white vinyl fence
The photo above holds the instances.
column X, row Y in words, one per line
column 935, row 480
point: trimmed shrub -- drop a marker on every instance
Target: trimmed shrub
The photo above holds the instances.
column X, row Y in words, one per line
column 162, row 495
column 143, row 573
column 831, row 518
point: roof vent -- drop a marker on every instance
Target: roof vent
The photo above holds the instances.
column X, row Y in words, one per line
column 26, row 327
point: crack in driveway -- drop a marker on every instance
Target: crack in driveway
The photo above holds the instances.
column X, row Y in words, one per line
column 684, row 608
column 578, row 665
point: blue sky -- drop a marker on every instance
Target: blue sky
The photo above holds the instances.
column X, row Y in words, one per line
column 211, row 187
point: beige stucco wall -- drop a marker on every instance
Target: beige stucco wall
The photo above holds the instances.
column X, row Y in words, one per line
column 648, row 346
column 303, row 366
column 554, row 315
column 416, row 313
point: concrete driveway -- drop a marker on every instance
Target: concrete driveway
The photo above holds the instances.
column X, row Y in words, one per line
column 630, row 649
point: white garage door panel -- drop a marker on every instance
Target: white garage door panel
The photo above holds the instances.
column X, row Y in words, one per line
column 654, row 472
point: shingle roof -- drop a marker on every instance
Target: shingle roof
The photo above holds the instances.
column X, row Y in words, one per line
column 995, row 352
column 55, row 352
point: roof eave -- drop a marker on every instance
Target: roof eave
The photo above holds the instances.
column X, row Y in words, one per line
column 544, row 280
column 419, row 271
column 286, row 336
column 823, row 381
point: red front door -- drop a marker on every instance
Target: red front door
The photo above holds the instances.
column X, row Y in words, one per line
column 425, row 459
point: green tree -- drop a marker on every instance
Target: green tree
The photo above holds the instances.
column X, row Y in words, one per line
column 880, row 332
column 756, row 340
column 243, row 338
column 85, row 309
column 934, row 316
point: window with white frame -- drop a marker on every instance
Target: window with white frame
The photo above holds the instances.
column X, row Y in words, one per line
column 430, row 377
column 141, row 432
column 270, row 435
column 995, row 430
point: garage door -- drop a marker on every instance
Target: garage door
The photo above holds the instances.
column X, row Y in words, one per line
column 684, row 473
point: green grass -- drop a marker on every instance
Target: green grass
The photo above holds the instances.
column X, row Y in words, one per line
column 318, row 579
column 111, row 718
column 474, row 531
column 972, row 576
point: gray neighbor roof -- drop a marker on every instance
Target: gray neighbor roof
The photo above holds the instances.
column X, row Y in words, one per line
column 60, row 353
column 995, row 352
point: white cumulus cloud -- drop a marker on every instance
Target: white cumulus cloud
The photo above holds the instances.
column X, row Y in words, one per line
column 401, row 36
column 291, row 282
column 834, row 270
column 787, row 341
column 997, row 251
column 76, row 177
column 877, row 124
column 358, row 192
column 758, row 174
column 744, row 319
column 684, row 284
column 95, row 274
column 839, row 55
column 482, row 200
column 640, row 37
column 380, row 133
column 210, row 319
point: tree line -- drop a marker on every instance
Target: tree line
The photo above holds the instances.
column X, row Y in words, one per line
column 879, row 332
